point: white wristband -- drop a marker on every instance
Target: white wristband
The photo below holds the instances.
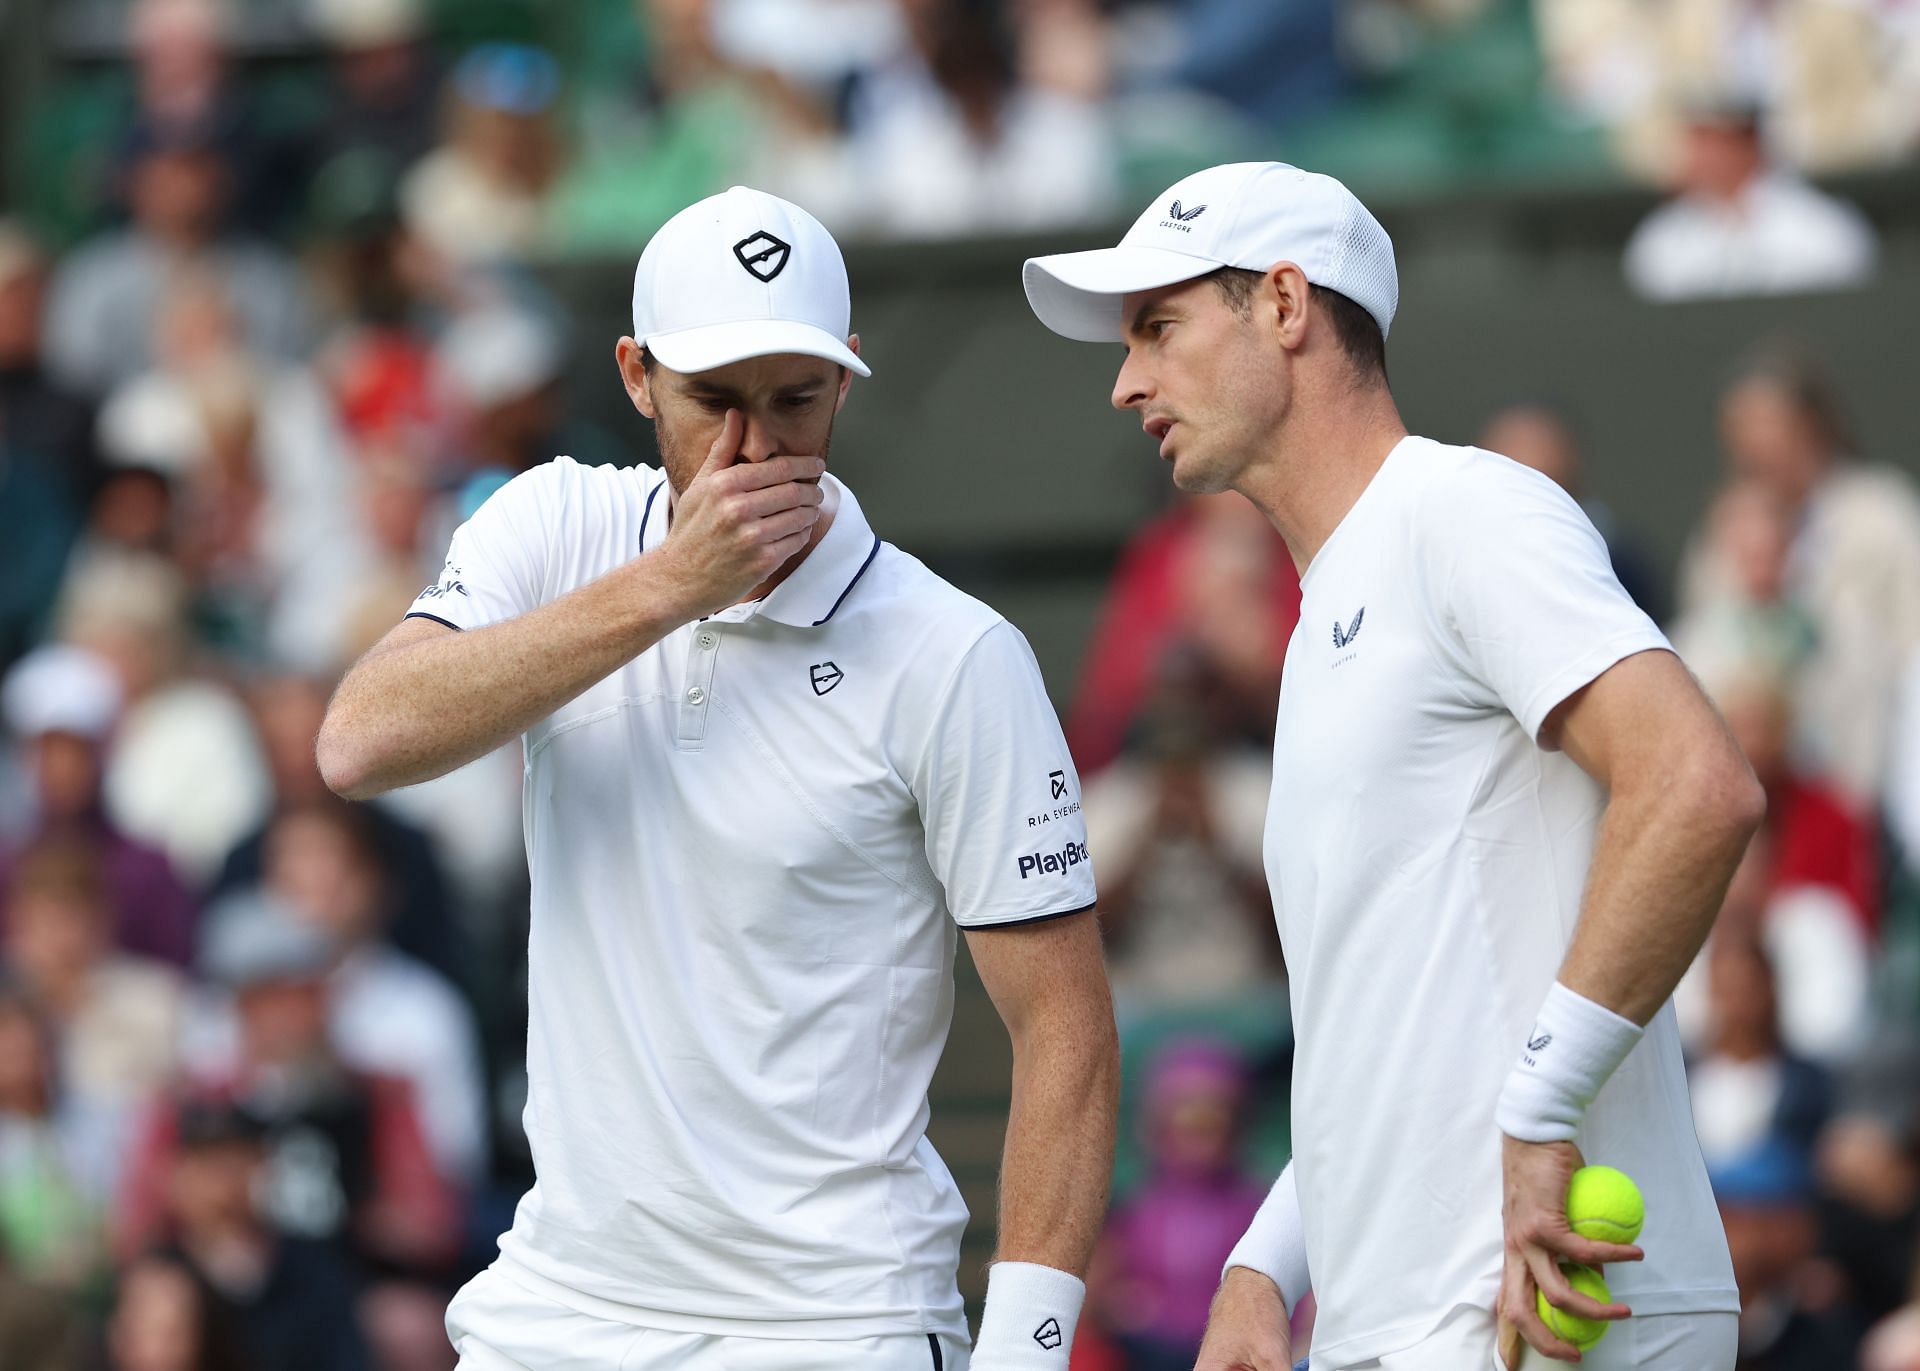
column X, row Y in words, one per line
column 1029, row 1319
column 1275, row 1243
column 1574, row 1047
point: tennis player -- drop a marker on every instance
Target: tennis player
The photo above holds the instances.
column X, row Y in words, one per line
column 771, row 761
column 1502, row 820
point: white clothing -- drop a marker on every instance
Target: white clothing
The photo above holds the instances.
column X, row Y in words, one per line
column 397, row 1016
column 1427, row 860
column 1645, row 1342
column 496, row 1324
column 1783, row 236
column 748, row 847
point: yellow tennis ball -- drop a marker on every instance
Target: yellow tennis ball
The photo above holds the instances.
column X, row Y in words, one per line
column 1581, row 1332
column 1604, row 1205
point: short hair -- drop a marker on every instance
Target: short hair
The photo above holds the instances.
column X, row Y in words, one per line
column 1785, row 365
column 1358, row 331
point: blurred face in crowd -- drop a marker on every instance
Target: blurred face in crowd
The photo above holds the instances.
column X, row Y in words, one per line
column 1771, row 439
column 1195, row 1128
column 1537, row 438
column 157, row 1319
column 1210, row 382
column 210, row 1186
column 179, row 196
column 286, row 713
column 25, row 1060
column 1768, row 1242
column 22, row 289
column 1719, row 159
column 318, row 865
column 1760, row 716
column 788, row 403
column 1740, row 996
column 55, row 935
column 283, row 1022
column 1752, row 534
column 66, row 775
column 133, row 509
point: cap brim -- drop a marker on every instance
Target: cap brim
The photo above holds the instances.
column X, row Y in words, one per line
column 716, row 345
column 1078, row 294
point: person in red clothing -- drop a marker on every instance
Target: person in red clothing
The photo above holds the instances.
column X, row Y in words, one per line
column 1209, row 577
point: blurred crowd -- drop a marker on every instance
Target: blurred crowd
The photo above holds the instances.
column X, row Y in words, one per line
column 271, row 325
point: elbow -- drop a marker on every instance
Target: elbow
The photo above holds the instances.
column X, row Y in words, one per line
column 345, row 768
column 1728, row 799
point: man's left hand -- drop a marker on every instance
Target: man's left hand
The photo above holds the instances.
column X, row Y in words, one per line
column 1535, row 1177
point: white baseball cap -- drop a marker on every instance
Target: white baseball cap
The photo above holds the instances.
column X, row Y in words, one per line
column 742, row 274
column 1244, row 214
column 61, row 689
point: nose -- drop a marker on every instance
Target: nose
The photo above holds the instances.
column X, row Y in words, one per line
column 757, row 443
column 1130, row 387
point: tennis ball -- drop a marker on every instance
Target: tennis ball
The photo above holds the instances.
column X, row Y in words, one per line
column 1604, row 1205
column 1582, row 1333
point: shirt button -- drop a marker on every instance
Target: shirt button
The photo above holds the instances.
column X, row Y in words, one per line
column 707, row 640
column 696, row 696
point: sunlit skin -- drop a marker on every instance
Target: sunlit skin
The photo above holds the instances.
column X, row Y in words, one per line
column 782, row 405
column 1266, row 402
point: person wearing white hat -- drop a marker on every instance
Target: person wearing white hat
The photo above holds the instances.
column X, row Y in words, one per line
column 1502, row 820
column 771, row 760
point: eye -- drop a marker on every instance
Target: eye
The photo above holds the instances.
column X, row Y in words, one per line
column 1159, row 327
column 713, row 406
column 797, row 402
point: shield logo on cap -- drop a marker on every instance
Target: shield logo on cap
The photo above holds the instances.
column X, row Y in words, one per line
column 763, row 255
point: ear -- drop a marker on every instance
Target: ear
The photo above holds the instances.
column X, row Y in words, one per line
column 630, row 357
column 846, row 373
column 1286, row 294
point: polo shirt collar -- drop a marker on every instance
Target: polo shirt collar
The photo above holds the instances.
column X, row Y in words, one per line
column 816, row 589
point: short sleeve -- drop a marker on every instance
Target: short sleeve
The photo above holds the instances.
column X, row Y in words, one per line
column 998, row 794
column 1527, row 600
column 497, row 560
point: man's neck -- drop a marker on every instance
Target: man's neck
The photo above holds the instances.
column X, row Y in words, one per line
column 1318, row 464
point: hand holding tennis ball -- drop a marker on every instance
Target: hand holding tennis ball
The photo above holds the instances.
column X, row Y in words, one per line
column 1603, row 1205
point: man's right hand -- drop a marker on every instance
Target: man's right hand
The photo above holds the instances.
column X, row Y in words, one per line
column 1247, row 1327
column 738, row 522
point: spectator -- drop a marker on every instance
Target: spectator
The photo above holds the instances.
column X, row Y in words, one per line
column 1163, row 1248
column 391, row 1013
column 1751, row 1096
column 481, row 197
column 58, row 1160
column 500, row 370
column 347, row 1162
column 1538, row 434
column 62, row 703
column 44, row 422
column 1854, row 563
column 184, row 772
column 947, row 139
column 383, row 83
column 286, row 1303
column 1766, row 1204
column 119, row 1018
column 1209, row 578
column 1175, row 827
column 1869, row 1171
column 165, row 1318
column 1739, row 227
column 108, row 293
column 287, row 710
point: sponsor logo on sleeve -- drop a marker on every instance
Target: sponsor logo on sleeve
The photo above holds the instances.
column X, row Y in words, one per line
column 1052, row 863
column 1057, row 790
column 450, row 583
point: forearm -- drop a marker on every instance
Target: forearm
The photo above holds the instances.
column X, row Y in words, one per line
column 409, row 712
column 1659, row 873
column 1059, row 1149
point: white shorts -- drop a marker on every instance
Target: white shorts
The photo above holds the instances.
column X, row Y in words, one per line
column 1649, row 1342
column 496, row 1324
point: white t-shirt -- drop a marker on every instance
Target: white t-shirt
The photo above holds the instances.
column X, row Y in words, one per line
column 1782, row 236
column 748, row 848
column 1427, row 860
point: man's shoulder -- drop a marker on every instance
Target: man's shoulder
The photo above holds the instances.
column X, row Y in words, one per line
column 565, row 488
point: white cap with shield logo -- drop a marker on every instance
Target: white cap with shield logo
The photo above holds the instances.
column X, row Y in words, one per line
column 1249, row 215
column 742, row 274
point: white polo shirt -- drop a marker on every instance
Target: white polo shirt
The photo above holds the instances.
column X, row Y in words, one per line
column 748, row 849
column 1428, row 860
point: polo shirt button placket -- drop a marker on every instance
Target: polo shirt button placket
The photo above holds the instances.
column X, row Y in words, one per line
column 691, row 734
